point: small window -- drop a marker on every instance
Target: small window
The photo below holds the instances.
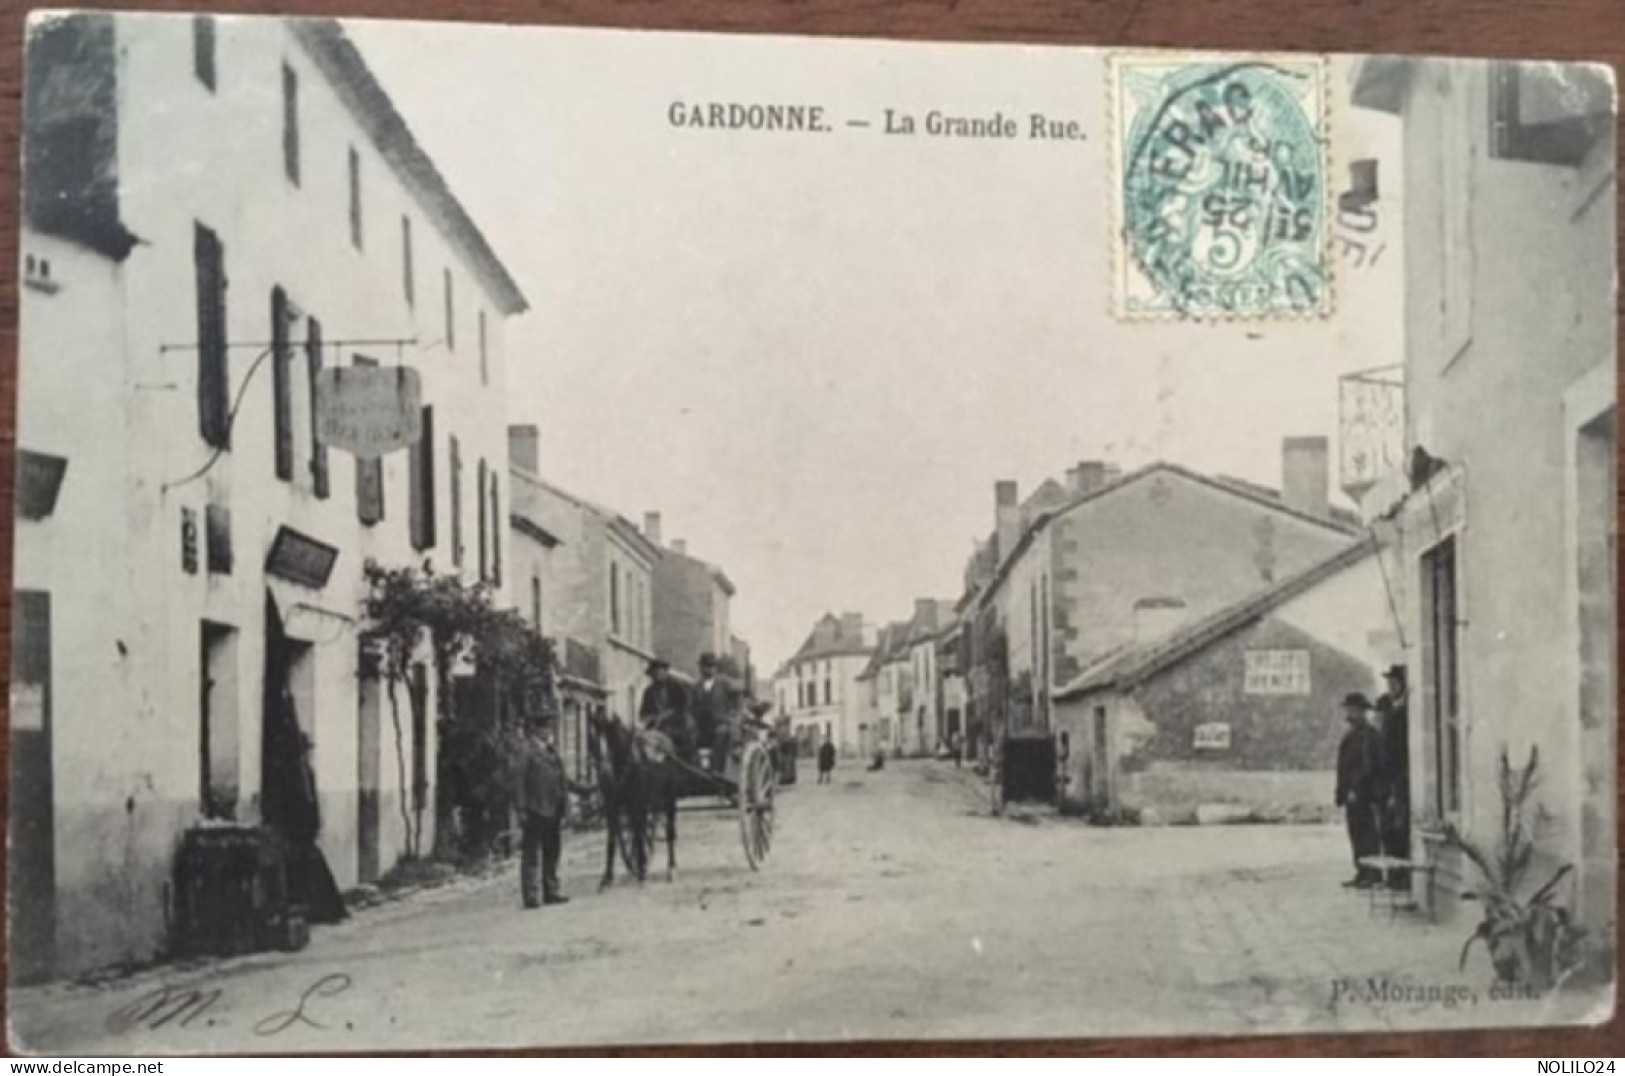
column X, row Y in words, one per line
column 408, row 276
column 1544, row 114
column 290, row 124
column 614, row 598
column 451, row 314
column 496, row 543
column 536, row 602
column 213, row 388
column 203, row 50
column 355, row 199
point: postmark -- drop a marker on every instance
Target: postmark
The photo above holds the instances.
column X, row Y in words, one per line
column 1219, row 184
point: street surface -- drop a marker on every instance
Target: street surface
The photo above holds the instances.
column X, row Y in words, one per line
column 892, row 906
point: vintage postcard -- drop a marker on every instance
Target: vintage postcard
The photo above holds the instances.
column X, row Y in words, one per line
column 541, row 537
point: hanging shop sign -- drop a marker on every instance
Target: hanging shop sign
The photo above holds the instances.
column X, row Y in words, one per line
column 301, row 559
column 368, row 411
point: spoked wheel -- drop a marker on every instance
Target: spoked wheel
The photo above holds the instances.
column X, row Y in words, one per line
column 758, row 780
column 635, row 853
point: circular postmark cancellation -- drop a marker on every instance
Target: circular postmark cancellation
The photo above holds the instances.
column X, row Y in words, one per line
column 1221, row 192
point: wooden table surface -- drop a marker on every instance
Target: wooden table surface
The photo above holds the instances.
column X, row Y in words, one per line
column 1542, row 29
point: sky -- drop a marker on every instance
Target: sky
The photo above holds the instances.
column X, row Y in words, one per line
column 815, row 354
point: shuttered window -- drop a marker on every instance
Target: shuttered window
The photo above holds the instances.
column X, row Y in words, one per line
column 451, row 313
column 212, row 382
column 369, row 477
column 281, row 385
column 203, row 51
column 456, row 454
column 421, row 479
column 479, row 496
column 496, row 531
column 408, row 279
column 356, row 234
column 290, row 124
column 319, row 480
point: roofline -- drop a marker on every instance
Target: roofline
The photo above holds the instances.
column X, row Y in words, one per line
column 1007, row 564
column 1203, row 633
column 359, row 88
column 622, row 527
column 525, row 525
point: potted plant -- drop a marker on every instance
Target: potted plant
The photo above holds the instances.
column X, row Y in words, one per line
column 1533, row 940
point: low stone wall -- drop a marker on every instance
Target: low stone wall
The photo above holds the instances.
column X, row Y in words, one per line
column 1169, row 793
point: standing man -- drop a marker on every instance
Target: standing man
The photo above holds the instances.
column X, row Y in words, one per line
column 1393, row 723
column 542, row 799
column 826, row 760
column 1359, row 782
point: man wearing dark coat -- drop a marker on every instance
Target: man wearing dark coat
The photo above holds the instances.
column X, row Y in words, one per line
column 716, row 711
column 541, row 796
column 1393, row 723
column 1359, row 786
column 665, row 708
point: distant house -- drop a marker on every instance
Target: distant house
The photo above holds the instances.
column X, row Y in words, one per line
column 882, row 690
column 1241, row 706
column 920, row 720
column 818, row 688
column 692, row 604
column 1126, row 560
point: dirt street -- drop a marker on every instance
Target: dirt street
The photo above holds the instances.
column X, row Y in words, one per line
column 892, row 906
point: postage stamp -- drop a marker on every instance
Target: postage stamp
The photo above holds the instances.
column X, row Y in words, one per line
column 1219, row 177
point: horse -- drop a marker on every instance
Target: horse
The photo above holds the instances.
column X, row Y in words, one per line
column 638, row 774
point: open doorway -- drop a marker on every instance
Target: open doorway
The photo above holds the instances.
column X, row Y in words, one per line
column 219, row 691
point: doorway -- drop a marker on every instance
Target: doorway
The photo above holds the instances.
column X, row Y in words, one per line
column 369, row 713
column 31, row 863
column 218, row 691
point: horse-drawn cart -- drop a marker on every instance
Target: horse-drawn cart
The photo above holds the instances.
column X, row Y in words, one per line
column 746, row 783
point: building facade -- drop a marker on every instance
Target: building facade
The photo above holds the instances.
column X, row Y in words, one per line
column 1125, row 561
column 1241, row 708
column 818, row 688
column 692, row 604
column 595, row 591
column 1502, row 528
column 177, row 510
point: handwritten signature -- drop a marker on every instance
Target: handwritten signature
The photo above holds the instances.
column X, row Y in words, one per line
column 185, row 1006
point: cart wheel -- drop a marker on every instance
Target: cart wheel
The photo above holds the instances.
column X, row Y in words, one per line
column 758, row 780
column 636, row 854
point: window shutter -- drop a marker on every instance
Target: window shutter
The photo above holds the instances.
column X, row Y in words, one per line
column 496, row 531
column 456, row 503
column 281, row 390
column 484, row 531
column 318, row 452
column 212, row 384
column 421, row 522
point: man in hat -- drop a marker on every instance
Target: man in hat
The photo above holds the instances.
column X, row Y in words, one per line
column 665, row 708
column 541, row 796
column 1393, row 724
column 1359, row 784
column 716, row 711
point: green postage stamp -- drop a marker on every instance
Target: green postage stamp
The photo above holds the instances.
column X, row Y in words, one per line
column 1219, row 178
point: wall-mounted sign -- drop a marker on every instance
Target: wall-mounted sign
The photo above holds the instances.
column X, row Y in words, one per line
column 1277, row 672
column 368, row 411
column 1213, row 736
column 189, row 541
column 300, row 558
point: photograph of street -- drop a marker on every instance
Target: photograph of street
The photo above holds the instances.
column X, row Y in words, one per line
column 543, row 537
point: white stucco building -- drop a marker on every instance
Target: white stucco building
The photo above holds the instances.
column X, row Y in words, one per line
column 818, row 688
column 216, row 209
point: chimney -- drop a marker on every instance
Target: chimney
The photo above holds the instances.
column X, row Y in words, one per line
column 651, row 526
column 522, row 450
column 1156, row 618
column 679, row 546
column 1086, row 477
column 1305, row 475
column 1007, row 517
column 852, row 627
